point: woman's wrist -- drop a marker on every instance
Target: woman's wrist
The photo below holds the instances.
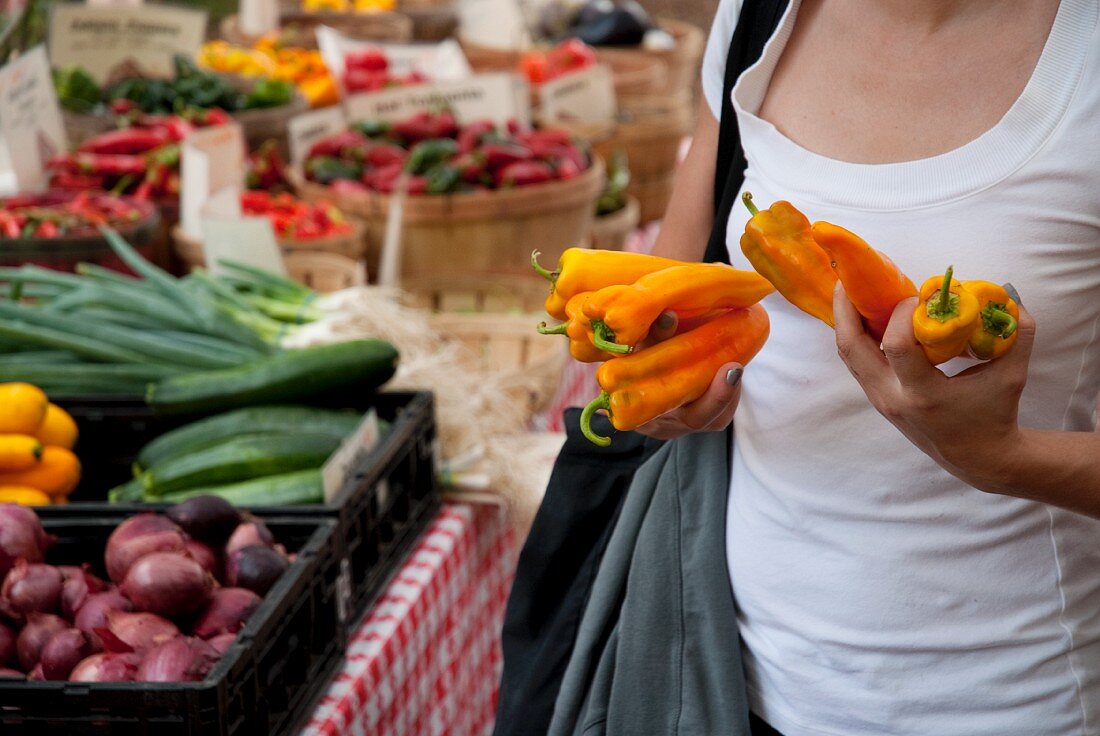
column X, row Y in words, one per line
column 996, row 463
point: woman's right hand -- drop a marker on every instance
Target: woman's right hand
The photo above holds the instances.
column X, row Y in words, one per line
column 711, row 412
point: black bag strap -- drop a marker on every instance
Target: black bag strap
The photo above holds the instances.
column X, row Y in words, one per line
column 755, row 26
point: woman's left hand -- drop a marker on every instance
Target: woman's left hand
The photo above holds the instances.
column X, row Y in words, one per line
column 966, row 423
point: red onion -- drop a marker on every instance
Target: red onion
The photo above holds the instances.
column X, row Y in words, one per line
column 222, row 642
column 10, row 674
column 137, row 537
column 30, row 587
column 7, row 645
column 40, row 629
column 107, row 667
column 208, row 518
column 168, row 584
column 256, row 568
column 78, row 583
column 93, row 614
column 21, row 535
column 63, row 652
column 205, row 555
column 136, row 631
column 251, row 532
column 226, row 612
column 185, row 659
column 36, row 673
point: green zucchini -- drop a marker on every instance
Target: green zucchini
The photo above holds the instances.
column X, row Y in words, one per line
column 255, row 420
column 296, row 375
column 129, row 492
column 289, row 489
column 240, row 459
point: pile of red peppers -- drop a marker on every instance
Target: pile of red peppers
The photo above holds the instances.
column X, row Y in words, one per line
column 58, row 214
column 442, row 157
column 368, row 70
column 142, row 160
column 295, row 218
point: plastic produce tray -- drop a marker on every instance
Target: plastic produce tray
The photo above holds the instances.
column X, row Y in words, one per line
column 265, row 685
column 386, row 502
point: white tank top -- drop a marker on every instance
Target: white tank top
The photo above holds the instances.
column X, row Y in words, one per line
column 877, row 594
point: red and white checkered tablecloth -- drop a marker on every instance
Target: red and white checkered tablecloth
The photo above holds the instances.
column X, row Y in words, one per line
column 426, row 659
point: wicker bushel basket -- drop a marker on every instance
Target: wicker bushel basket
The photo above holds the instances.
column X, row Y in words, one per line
column 487, row 233
column 680, row 62
column 381, row 27
column 610, row 232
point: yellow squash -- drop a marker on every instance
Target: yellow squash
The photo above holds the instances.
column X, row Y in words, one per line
column 22, row 408
column 23, row 495
column 19, row 452
column 56, row 474
column 58, row 428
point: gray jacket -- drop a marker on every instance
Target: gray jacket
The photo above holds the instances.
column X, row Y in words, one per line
column 658, row 651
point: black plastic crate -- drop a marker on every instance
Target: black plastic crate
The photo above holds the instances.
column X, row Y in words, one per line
column 266, row 684
column 391, row 494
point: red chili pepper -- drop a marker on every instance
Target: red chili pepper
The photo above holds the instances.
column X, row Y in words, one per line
column 213, row 116
column 546, row 136
column 384, row 178
column 417, row 185
column 125, row 141
column 384, row 154
column 121, row 106
column 47, row 229
column 567, row 169
column 175, row 127
column 471, row 167
column 73, row 180
column 523, row 173
column 10, row 225
column 471, row 136
column 336, row 145
column 425, row 126
column 366, row 80
column 368, row 59
column 499, row 155
column 515, row 127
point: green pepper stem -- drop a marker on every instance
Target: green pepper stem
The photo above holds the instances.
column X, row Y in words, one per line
column 555, row 330
column 1003, row 323
column 604, row 339
column 747, row 199
column 603, row 401
column 943, row 305
column 550, row 276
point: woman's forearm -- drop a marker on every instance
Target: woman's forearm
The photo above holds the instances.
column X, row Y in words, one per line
column 690, row 214
column 1059, row 468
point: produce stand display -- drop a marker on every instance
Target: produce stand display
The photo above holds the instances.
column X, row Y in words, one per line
column 138, row 315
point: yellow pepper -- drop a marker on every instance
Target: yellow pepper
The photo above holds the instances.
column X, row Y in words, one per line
column 945, row 318
column 999, row 316
column 579, row 330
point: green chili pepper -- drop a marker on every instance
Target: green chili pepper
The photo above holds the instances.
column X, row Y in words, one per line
column 426, row 154
column 326, row 169
column 443, row 179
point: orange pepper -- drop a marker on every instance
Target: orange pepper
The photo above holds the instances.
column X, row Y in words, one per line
column 641, row 387
column 999, row 316
column 871, row 280
column 780, row 246
column 945, row 318
column 579, row 329
column 623, row 314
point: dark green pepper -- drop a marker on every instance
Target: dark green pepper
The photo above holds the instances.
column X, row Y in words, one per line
column 443, row 179
column 373, row 128
column 269, row 93
column 326, row 169
column 426, row 154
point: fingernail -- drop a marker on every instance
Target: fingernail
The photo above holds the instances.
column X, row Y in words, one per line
column 733, row 376
column 666, row 321
column 1013, row 293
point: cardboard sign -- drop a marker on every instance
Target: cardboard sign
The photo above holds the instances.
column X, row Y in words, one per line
column 498, row 97
column 440, row 62
column 258, row 17
column 212, row 161
column 247, row 240
column 586, row 96
column 100, row 39
column 335, row 472
column 497, row 24
column 31, row 127
column 306, row 129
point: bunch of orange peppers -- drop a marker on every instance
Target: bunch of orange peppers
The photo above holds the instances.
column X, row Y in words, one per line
column 272, row 59
column 609, row 301
column 803, row 262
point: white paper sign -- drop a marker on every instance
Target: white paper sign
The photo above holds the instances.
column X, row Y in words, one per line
column 258, row 17
column 247, row 240
column 586, row 96
column 211, row 161
column 31, row 127
column 335, row 472
column 498, row 97
column 494, row 23
column 440, row 62
column 102, row 38
column 306, row 129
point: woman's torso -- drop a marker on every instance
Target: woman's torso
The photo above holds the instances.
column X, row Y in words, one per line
column 876, row 593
